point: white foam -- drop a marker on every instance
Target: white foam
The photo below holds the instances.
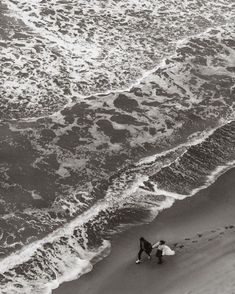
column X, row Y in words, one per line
column 35, row 195
column 28, row 251
column 70, row 268
column 83, row 50
column 173, row 195
column 214, row 176
column 112, row 199
column 78, row 269
column 210, row 179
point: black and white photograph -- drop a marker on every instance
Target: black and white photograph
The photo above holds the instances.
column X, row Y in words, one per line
column 117, row 147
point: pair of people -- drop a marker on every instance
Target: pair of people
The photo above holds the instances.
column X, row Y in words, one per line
column 147, row 247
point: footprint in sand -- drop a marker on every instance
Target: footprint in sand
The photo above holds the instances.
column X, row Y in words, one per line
column 213, row 238
column 199, row 235
column 229, row 227
column 194, row 241
column 187, row 239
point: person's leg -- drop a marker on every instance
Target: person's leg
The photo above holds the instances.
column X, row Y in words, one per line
column 139, row 256
column 160, row 259
column 148, row 253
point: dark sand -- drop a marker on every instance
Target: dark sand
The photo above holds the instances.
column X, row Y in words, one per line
column 203, row 227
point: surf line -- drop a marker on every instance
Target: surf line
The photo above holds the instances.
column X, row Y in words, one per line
column 77, row 272
column 27, row 252
column 205, row 134
column 7, row 264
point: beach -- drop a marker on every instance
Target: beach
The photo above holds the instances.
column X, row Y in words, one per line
column 201, row 231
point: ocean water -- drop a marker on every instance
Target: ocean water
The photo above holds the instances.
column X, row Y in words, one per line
column 110, row 111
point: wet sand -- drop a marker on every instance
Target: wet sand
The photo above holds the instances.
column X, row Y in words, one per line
column 202, row 232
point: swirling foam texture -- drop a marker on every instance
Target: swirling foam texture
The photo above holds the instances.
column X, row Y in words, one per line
column 105, row 161
column 54, row 52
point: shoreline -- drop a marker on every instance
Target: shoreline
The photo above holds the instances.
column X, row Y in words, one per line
column 206, row 214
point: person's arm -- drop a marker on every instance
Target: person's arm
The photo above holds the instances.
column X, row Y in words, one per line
column 155, row 245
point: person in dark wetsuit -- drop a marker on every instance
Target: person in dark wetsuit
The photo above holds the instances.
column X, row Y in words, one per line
column 146, row 247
